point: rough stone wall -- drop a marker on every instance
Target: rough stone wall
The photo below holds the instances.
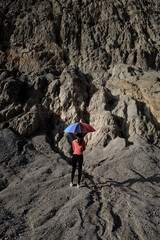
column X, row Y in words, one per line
column 92, row 61
column 99, row 34
column 94, row 35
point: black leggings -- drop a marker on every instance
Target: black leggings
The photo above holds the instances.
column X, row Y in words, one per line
column 77, row 159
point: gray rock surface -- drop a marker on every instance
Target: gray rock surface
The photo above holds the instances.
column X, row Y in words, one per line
column 120, row 199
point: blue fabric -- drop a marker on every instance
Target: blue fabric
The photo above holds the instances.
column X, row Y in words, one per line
column 73, row 128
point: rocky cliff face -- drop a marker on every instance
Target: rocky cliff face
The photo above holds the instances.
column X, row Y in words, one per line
column 93, row 61
column 63, row 61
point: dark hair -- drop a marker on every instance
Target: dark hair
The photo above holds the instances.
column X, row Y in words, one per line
column 80, row 136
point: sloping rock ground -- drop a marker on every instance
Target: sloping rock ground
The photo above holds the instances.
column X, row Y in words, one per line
column 120, row 199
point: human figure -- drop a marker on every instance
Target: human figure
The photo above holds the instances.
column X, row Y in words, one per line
column 78, row 146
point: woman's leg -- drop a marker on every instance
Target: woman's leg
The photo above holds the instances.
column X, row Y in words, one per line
column 74, row 164
column 80, row 162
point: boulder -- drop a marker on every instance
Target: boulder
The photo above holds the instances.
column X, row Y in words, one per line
column 28, row 123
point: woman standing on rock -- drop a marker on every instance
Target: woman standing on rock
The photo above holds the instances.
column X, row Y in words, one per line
column 78, row 146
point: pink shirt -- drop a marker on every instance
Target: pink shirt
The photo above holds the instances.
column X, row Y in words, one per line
column 78, row 149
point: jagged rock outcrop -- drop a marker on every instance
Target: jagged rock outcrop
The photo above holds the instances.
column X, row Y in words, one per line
column 93, row 35
column 139, row 100
column 61, row 54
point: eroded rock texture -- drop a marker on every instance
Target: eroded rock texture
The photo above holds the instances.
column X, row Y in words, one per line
column 93, row 61
column 64, row 61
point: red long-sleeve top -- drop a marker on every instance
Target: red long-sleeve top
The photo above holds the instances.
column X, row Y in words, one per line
column 78, row 149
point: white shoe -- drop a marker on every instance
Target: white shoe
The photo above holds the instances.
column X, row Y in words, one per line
column 71, row 184
column 80, row 185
